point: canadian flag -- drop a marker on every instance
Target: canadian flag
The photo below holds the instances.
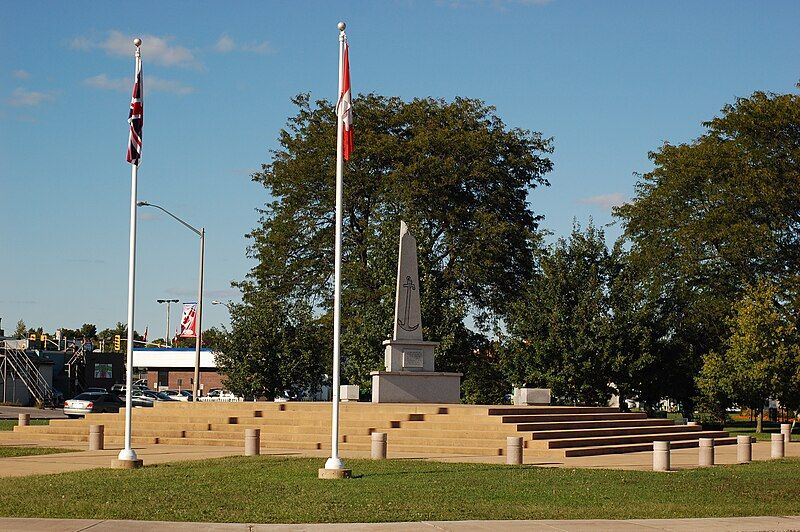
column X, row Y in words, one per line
column 344, row 108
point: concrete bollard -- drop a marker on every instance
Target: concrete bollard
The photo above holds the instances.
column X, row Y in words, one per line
column 786, row 430
column 744, row 449
column 514, row 450
column 706, row 452
column 660, row 456
column 96, row 437
column 777, row 446
column 252, row 442
column 24, row 420
column 379, row 446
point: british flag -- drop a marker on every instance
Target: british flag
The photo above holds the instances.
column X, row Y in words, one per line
column 136, row 118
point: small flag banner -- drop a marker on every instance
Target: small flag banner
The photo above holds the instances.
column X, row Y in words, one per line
column 189, row 321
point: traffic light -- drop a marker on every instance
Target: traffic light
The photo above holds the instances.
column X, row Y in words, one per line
column 116, row 342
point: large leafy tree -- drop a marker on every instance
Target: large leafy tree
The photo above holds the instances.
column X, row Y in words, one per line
column 560, row 329
column 714, row 216
column 453, row 171
column 760, row 358
column 271, row 348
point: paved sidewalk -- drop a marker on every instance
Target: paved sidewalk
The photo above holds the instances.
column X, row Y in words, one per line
column 734, row 524
column 13, row 412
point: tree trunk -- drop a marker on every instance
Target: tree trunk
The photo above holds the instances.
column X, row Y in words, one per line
column 759, row 417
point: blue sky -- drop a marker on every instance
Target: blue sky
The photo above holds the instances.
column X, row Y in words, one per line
column 608, row 80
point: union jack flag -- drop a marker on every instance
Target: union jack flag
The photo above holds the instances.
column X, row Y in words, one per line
column 136, row 118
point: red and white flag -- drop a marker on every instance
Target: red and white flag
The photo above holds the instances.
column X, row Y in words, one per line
column 189, row 321
column 344, row 108
column 136, row 118
column 144, row 336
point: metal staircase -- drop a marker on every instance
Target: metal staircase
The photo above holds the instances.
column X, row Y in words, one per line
column 75, row 369
column 25, row 370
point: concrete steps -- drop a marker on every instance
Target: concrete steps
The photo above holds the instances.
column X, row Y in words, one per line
column 623, row 431
column 632, row 448
column 467, row 430
column 622, row 440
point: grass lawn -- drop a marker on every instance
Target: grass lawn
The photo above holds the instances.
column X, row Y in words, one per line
column 6, row 452
column 286, row 490
column 9, row 424
column 736, row 428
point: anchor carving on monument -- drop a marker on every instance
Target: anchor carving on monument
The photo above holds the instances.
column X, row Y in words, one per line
column 409, row 286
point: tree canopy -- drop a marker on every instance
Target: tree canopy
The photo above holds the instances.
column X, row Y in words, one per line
column 453, row 171
column 714, row 216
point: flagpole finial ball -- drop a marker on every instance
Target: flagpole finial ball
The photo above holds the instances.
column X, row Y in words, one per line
column 137, row 42
column 341, row 26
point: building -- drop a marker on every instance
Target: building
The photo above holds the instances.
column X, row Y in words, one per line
column 173, row 368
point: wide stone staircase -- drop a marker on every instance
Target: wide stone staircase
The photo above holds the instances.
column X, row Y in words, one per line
column 413, row 429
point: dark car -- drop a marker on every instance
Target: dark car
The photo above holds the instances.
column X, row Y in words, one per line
column 92, row 403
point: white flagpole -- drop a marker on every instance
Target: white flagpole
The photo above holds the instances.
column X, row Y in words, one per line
column 334, row 462
column 127, row 453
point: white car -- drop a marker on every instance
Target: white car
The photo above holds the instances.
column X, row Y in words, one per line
column 179, row 395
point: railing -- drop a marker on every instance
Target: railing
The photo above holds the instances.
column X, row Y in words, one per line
column 29, row 374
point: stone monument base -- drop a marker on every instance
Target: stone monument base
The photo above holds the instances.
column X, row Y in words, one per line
column 116, row 463
column 333, row 474
column 416, row 387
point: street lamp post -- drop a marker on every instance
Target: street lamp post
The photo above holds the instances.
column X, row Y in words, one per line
column 199, row 315
column 227, row 305
column 167, row 301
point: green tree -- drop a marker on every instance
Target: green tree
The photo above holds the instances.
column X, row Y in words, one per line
column 271, row 348
column 453, row 171
column 560, row 329
column 761, row 357
column 713, row 217
column 21, row 331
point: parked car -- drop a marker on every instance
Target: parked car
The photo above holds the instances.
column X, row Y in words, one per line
column 138, row 398
column 156, row 396
column 179, row 395
column 97, row 390
column 218, row 394
column 91, row 403
column 119, row 389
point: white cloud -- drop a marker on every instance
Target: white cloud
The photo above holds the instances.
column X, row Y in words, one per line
column 262, row 47
column 101, row 81
column 21, row 74
column 605, row 201
column 226, row 44
column 159, row 50
column 151, row 84
column 26, row 98
column 155, row 84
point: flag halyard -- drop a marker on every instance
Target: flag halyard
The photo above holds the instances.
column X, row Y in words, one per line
column 136, row 118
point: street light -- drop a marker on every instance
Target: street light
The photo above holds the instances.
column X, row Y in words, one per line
column 198, row 318
column 228, row 305
column 167, row 301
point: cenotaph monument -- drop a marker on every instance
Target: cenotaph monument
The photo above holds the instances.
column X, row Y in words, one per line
column 409, row 375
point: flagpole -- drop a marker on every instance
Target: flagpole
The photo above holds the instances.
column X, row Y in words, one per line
column 334, row 462
column 127, row 454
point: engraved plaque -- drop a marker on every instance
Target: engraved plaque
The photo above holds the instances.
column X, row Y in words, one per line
column 412, row 358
